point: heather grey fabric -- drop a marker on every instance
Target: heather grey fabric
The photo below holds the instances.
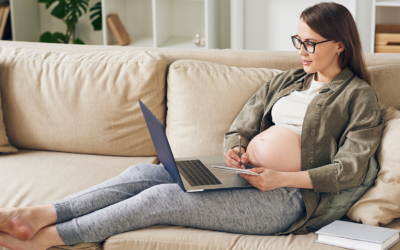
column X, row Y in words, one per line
column 145, row 195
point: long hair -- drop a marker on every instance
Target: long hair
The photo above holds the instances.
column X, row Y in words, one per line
column 335, row 22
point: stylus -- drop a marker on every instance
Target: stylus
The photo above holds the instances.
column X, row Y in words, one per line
column 240, row 151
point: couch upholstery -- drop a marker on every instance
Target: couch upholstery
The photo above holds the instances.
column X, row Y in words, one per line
column 40, row 173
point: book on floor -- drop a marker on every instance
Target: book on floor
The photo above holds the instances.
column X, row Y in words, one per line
column 354, row 235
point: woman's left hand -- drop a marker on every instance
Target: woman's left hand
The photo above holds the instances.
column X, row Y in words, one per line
column 266, row 181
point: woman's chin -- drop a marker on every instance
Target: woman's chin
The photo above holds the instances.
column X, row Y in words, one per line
column 308, row 69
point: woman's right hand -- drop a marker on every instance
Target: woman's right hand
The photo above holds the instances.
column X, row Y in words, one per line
column 232, row 159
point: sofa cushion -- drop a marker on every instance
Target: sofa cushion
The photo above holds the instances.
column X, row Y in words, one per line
column 83, row 246
column 380, row 204
column 5, row 146
column 182, row 238
column 385, row 81
column 81, row 102
column 32, row 178
column 203, row 99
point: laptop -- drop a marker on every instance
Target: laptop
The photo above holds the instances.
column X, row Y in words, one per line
column 192, row 174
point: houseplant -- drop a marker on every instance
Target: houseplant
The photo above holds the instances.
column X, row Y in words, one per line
column 69, row 11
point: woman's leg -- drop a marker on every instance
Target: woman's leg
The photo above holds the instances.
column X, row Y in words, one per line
column 129, row 183
column 246, row 211
column 23, row 223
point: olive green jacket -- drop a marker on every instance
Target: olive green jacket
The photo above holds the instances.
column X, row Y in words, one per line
column 342, row 129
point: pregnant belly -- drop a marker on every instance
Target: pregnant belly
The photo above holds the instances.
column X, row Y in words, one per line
column 276, row 148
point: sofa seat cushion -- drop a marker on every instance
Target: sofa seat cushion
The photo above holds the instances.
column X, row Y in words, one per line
column 81, row 102
column 181, row 238
column 32, row 178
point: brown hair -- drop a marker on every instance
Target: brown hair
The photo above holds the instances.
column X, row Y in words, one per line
column 335, row 22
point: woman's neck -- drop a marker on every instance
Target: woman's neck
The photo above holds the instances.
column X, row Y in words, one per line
column 326, row 76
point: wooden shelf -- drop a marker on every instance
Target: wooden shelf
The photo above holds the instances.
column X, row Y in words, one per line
column 180, row 42
column 382, row 13
column 388, row 3
column 139, row 41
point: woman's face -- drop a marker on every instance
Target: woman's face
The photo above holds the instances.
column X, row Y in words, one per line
column 325, row 59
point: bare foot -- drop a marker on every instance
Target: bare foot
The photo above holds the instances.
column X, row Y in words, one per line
column 12, row 243
column 23, row 223
column 44, row 239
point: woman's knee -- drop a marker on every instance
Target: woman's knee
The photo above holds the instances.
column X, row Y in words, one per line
column 147, row 171
column 168, row 193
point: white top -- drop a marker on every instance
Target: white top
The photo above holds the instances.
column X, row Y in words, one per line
column 289, row 111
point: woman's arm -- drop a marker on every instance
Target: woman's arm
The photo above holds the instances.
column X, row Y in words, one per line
column 270, row 179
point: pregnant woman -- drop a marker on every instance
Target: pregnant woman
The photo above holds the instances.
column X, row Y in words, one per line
column 309, row 132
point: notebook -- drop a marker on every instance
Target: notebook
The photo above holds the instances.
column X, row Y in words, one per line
column 357, row 236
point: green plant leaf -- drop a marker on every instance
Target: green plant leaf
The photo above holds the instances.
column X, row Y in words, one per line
column 45, row 37
column 57, row 37
column 60, row 10
column 75, row 9
column 47, row 2
column 78, row 41
column 96, row 16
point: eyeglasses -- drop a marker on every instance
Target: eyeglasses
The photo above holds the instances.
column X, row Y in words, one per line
column 309, row 46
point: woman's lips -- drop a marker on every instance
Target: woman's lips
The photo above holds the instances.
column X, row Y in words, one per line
column 305, row 62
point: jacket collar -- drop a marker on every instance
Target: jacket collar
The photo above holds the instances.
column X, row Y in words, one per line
column 344, row 75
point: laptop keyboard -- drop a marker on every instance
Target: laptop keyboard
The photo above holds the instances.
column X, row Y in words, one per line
column 196, row 173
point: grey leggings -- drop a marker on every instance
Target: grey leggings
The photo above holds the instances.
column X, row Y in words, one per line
column 145, row 195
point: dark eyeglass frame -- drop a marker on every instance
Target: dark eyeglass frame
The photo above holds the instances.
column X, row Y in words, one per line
column 305, row 47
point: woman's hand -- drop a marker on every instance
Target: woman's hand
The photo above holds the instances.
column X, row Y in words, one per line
column 232, row 159
column 267, row 180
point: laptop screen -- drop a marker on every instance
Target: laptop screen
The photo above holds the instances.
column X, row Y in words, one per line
column 161, row 143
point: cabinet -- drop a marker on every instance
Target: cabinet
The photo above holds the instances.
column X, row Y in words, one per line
column 383, row 12
column 170, row 23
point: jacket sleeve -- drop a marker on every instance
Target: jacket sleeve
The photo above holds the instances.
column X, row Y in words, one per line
column 247, row 123
column 362, row 138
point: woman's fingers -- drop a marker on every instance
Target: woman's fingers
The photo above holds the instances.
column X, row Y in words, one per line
column 245, row 158
column 229, row 162
column 232, row 159
column 234, row 154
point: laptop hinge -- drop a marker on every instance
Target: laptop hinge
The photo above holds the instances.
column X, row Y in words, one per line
column 195, row 190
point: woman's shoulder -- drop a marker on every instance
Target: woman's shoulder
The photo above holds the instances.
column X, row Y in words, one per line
column 359, row 86
column 362, row 94
column 290, row 75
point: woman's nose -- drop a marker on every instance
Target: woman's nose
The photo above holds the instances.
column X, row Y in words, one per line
column 302, row 51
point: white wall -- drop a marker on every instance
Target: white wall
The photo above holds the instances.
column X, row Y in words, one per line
column 268, row 24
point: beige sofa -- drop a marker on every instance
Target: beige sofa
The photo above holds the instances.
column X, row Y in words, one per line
column 73, row 114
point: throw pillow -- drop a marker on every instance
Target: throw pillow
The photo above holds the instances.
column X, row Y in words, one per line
column 5, row 146
column 380, row 204
column 203, row 99
column 81, row 102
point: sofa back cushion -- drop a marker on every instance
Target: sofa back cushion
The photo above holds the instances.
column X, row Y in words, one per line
column 203, row 100
column 81, row 102
column 5, row 146
column 380, row 204
column 385, row 81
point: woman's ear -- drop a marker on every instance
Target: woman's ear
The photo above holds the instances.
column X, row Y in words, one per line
column 340, row 48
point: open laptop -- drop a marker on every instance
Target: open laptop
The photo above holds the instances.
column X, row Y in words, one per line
column 193, row 174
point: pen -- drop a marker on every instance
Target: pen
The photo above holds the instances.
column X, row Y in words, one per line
column 240, row 151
